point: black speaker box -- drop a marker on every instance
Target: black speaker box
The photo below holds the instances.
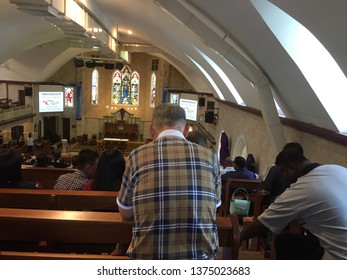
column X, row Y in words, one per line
column 209, row 116
column 109, row 65
column 119, row 65
column 202, row 101
column 28, row 91
column 90, row 63
column 78, row 62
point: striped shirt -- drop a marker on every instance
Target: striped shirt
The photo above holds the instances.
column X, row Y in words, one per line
column 173, row 187
column 71, row 181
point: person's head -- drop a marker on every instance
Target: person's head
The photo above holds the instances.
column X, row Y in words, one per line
column 240, row 162
column 10, row 166
column 197, row 137
column 29, row 135
column 87, row 161
column 291, row 161
column 109, row 171
column 229, row 162
column 168, row 116
column 56, row 156
column 42, row 160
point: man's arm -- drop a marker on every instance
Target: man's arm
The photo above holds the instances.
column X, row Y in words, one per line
column 126, row 212
column 256, row 228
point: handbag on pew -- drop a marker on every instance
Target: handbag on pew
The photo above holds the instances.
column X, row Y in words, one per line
column 240, row 206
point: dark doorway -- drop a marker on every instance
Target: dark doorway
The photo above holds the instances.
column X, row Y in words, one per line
column 21, row 97
column 66, row 128
column 50, row 128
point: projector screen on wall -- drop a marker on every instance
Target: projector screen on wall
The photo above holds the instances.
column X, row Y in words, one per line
column 190, row 107
column 51, row 101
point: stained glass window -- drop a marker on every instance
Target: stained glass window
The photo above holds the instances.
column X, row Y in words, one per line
column 153, row 90
column 125, row 87
column 69, row 97
column 95, row 87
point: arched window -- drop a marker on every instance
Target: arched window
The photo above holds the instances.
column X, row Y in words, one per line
column 240, row 148
column 125, row 87
column 95, row 87
column 135, row 85
column 153, row 90
column 116, row 88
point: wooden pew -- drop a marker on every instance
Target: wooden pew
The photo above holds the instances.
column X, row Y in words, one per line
column 58, row 199
column 255, row 196
column 44, row 177
column 83, row 227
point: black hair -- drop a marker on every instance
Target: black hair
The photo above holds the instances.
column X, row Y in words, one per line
column 85, row 157
column 240, row 162
column 197, row 137
column 292, row 153
column 10, row 166
column 42, row 160
column 109, row 172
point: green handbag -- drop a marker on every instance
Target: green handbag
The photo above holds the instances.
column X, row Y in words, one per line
column 239, row 206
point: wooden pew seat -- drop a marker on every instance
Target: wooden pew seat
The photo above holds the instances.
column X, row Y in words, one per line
column 84, row 228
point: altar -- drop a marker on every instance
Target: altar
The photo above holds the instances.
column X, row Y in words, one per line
column 113, row 143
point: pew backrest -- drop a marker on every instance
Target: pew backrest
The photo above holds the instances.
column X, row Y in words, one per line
column 43, row 177
column 252, row 186
column 58, row 199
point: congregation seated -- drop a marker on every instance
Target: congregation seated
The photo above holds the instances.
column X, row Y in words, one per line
column 86, row 161
column 241, row 171
column 11, row 171
column 109, row 172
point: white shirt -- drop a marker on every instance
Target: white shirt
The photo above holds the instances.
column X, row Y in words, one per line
column 318, row 200
column 226, row 169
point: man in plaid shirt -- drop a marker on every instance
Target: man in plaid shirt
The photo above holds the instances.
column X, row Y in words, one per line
column 171, row 188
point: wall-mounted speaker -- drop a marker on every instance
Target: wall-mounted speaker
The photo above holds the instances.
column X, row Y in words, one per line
column 99, row 64
column 90, row 63
column 209, row 116
column 28, row 91
column 119, row 65
column 109, row 65
column 202, row 101
column 78, row 62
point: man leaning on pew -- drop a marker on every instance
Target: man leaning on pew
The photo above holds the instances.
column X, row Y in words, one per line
column 171, row 187
column 316, row 199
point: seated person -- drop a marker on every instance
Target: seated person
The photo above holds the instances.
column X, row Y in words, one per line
column 11, row 171
column 229, row 166
column 316, row 200
column 109, row 172
column 57, row 162
column 197, row 137
column 42, row 161
column 87, row 161
column 251, row 167
column 241, row 172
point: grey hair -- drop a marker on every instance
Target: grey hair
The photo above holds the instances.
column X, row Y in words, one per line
column 170, row 116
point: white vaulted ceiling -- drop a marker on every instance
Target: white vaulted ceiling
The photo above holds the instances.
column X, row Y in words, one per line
column 221, row 35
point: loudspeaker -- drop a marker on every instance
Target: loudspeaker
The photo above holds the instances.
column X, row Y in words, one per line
column 109, row 65
column 28, row 91
column 78, row 62
column 90, row 63
column 209, row 116
column 99, row 64
column 119, row 65
column 202, row 101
